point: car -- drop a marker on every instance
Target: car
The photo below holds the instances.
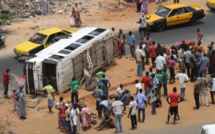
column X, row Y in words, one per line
column 174, row 14
column 41, row 40
column 208, row 129
column 211, row 4
column 2, row 37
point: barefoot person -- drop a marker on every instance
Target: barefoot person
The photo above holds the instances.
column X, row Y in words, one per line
column 50, row 96
column 175, row 98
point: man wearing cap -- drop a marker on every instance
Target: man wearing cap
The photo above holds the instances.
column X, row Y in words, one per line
column 142, row 28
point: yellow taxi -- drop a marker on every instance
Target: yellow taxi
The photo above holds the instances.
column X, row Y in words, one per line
column 174, row 14
column 41, row 40
column 211, row 4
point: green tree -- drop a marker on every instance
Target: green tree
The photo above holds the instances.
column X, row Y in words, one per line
column 4, row 18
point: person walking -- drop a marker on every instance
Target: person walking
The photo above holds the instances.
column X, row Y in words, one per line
column 22, row 104
column 131, row 42
column 132, row 112
column 139, row 61
column 138, row 86
column 183, row 79
column 138, row 4
column 50, row 96
column 211, row 84
column 73, row 119
column 148, row 42
column 6, row 79
column 199, row 35
column 155, row 84
column 153, row 102
column 175, row 98
column 120, row 91
column 203, row 89
column 144, row 6
column 97, row 94
column 164, row 82
column 197, row 87
column 74, row 89
column 204, row 64
column 117, row 112
column 141, row 104
column 152, row 50
column 144, row 54
column 187, row 61
column 147, row 82
column 193, row 66
column 142, row 28
column 171, row 63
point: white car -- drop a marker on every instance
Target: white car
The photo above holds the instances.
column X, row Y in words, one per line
column 208, row 129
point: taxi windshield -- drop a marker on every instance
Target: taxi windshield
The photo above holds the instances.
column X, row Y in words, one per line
column 38, row 38
column 163, row 11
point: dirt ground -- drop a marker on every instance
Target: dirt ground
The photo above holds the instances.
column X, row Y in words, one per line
column 39, row 121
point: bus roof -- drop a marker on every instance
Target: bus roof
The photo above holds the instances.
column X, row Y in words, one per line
column 57, row 50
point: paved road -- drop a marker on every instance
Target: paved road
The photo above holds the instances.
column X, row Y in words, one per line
column 169, row 36
column 171, row 129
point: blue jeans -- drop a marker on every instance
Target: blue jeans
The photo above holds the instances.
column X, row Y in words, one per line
column 182, row 92
column 118, row 121
column 140, row 68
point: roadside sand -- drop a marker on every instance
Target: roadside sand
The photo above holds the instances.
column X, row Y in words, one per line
column 40, row 121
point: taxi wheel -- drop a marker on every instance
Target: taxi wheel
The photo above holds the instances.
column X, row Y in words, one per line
column 160, row 27
column 193, row 21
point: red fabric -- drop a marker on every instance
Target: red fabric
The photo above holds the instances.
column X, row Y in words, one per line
column 167, row 51
column 6, row 78
column 153, row 51
column 171, row 63
column 62, row 110
column 195, row 48
column 146, row 80
column 174, row 99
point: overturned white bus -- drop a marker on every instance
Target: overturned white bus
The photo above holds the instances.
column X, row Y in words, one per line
column 90, row 48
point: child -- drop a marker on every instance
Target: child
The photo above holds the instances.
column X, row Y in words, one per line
column 150, row 73
column 153, row 101
column 15, row 99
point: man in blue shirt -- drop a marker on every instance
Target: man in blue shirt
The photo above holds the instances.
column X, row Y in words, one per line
column 155, row 84
column 131, row 42
column 204, row 64
column 141, row 104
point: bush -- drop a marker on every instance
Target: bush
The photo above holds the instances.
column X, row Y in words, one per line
column 4, row 18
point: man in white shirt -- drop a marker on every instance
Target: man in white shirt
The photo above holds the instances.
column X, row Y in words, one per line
column 144, row 54
column 160, row 63
column 132, row 112
column 117, row 112
column 73, row 119
column 120, row 90
column 137, row 86
column 183, row 79
column 142, row 28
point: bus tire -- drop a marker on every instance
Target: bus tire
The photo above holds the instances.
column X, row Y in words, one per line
column 91, row 84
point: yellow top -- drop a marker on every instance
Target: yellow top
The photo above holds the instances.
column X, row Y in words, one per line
column 211, row 2
column 49, row 90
